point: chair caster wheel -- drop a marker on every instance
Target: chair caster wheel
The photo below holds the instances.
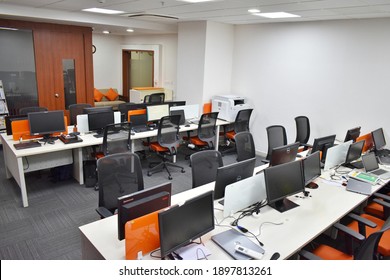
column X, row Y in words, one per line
column 183, row 171
column 149, row 174
column 170, row 177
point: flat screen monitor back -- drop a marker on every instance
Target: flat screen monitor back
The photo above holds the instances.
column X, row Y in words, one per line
column 190, row 111
column 352, row 134
column 322, row 144
column 156, row 112
column 231, row 173
column 311, row 169
column 336, row 155
column 10, row 119
column 379, row 139
column 284, row 154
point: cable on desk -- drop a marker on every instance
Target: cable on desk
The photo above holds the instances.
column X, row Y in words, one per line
column 272, row 223
column 203, row 253
column 154, row 251
column 28, row 164
column 342, row 172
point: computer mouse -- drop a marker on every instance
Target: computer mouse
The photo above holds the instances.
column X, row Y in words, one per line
column 275, row 256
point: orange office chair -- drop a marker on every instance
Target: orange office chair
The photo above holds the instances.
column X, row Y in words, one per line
column 369, row 248
column 379, row 206
column 167, row 143
column 368, row 144
column 206, row 137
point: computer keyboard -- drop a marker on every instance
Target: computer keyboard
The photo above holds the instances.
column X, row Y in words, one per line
column 383, row 153
column 27, row 145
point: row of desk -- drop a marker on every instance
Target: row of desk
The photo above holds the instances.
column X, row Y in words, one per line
column 285, row 233
column 19, row 162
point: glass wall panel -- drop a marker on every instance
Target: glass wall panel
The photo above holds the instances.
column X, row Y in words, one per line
column 141, row 69
column 69, row 82
column 17, row 69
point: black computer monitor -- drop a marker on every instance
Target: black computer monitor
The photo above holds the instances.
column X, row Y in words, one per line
column 141, row 203
column 322, row 144
column 124, row 108
column 138, row 120
column 284, row 154
column 281, row 181
column 46, row 123
column 379, row 139
column 353, row 154
column 181, row 225
column 10, row 119
column 181, row 114
column 98, row 121
column 89, row 110
column 311, row 169
column 156, row 112
column 352, row 134
column 231, row 173
column 175, row 103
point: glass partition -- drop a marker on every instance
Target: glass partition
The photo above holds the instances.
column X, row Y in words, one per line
column 69, row 82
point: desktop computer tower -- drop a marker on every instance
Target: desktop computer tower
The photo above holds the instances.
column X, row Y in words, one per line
column 90, row 174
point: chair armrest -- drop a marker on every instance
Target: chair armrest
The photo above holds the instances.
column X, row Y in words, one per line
column 349, row 231
column 308, row 255
column 381, row 202
column 383, row 196
column 362, row 220
column 265, row 160
column 103, row 212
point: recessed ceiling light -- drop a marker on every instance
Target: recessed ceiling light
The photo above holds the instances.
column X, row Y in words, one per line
column 276, row 15
column 254, row 11
column 130, row 30
column 106, row 32
column 103, row 11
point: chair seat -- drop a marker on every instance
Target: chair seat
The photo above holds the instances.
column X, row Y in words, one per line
column 375, row 209
column 329, row 253
column 197, row 142
column 384, row 243
column 155, row 146
column 230, row 134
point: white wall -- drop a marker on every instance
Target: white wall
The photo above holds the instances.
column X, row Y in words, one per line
column 218, row 60
column 335, row 72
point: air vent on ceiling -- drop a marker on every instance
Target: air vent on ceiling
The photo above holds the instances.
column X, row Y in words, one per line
column 150, row 16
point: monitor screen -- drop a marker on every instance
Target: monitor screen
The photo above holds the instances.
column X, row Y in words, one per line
column 322, row 144
column 379, row 139
column 140, row 203
column 311, row 169
column 46, row 123
column 336, row 155
column 190, row 111
column 138, row 120
column 10, row 119
column 284, row 154
column 180, row 225
column 175, row 103
column 156, row 112
column 354, row 151
column 98, row 121
column 181, row 114
column 282, row 181
column 352, row 134
column 231, row 173
column 88, row 110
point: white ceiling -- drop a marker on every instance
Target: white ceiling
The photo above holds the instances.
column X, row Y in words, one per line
column 224, row 11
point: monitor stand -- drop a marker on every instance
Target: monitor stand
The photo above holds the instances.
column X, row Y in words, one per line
column 283, row 205
column 47, row 138
column 312, row 185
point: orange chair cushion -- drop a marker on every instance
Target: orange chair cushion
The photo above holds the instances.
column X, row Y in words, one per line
column 375, row 209
column 97, row 95
column 197, row 142
column 329, row 253
column 155, row 146
column 230, row 134
column 384, row 243
column 111, row 94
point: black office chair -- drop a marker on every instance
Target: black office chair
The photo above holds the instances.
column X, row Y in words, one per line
column 276, row 135
column 118, row 174
column 206, row 136
column 303, row 131
column 204, row 165
column 76, row 109
column 241, row 124
column 155, row 98
column 167, row 143
column 117, row 138
column 26, row 110
column 368, row 249
column 245, row 146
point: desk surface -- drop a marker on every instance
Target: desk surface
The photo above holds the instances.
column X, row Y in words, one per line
column 326, row 205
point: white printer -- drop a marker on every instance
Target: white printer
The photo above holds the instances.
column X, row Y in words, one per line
column 228, row 106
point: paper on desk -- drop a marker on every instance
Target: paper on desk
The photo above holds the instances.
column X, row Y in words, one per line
column 193, row 252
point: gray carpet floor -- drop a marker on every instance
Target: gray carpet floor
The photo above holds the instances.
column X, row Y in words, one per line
column 48, row 228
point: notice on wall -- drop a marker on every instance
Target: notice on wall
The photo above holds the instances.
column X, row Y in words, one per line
column 2, row 95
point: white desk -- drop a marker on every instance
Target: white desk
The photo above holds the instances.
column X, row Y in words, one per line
column 327, row 205
column 19, row 162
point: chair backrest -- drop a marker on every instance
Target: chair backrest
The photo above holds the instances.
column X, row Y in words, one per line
column 207, row 128
column 118, row 175
column 155, row 98
column 303, row 129
column 77, row 109
column 135, row 112
column 368, row 249
column 204, row 165
column 116, row 138
column 245, row 146
column 276, row 135
column 168, row 133
column 26, row 110
column 241, row 122
column 124, row 108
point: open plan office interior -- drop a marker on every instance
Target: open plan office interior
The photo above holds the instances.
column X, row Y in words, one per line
column 327, row 61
